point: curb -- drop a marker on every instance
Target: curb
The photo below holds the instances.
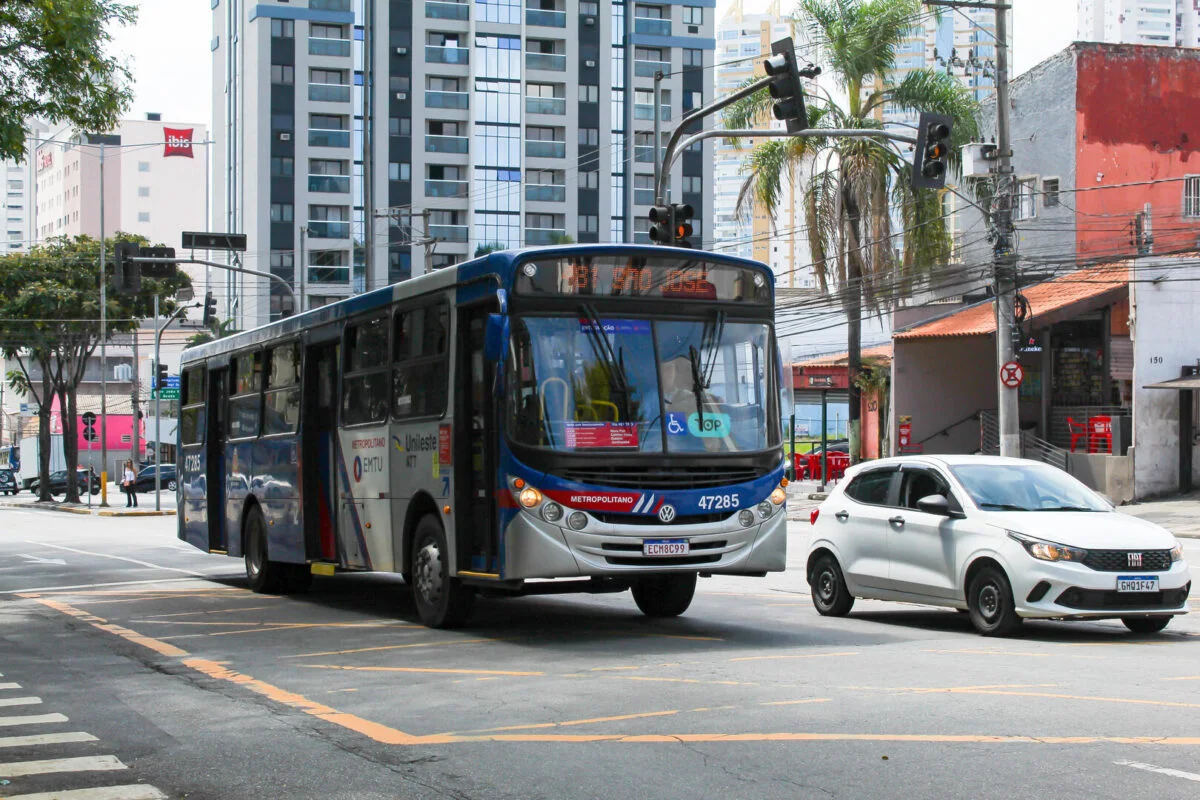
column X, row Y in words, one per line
column 87, row 512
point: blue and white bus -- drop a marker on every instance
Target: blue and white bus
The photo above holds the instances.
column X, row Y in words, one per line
column 580, row 418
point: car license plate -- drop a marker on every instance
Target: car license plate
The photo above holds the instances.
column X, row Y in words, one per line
column 664, row 547
column 1137, row 583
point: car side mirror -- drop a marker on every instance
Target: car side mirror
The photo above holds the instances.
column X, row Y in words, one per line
column 935, row 504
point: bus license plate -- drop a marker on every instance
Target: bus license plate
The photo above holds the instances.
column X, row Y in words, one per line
column 664, row 547
column 1137, row 583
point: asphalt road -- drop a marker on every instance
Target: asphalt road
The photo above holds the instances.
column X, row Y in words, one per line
column 130, row 660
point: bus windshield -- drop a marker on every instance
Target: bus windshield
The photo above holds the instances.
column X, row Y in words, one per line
column 579, row 383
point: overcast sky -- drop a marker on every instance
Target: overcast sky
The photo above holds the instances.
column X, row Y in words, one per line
column 172, row 65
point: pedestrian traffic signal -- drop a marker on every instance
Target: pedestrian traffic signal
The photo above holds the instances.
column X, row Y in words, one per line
column 89, row 426
column 681, row 224
column 932, row 155
column 210, row 309
column 157, row 270
column 160, row 376
column 127, row 274
column 786, row 88
column 662, row 227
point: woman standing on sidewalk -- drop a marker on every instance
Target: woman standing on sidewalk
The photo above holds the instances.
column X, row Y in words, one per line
column 129, row 484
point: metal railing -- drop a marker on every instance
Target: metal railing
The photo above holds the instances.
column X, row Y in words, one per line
column 435, row 99
column 652, row 26
column 320, row 46
column 546, row 19
column 339, row 184
column 437, row 188
column 643, row 111
column 326, row 229
column 1040, row 450
column 329, row 5
column 318, row 137
column 647, row 69
column 336, row 275
column 435, row 54
column 436, row 9
column 540, row 236
column 546, row 61
column 538, row 148
column 449, row 233
column 989, row 433
column 447, row 144
column 329, row 92
column 545, row 192
column 545, row 105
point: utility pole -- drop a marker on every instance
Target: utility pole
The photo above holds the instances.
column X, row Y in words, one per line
column 304, row 268
column 133, row 403
column 103, row 351
column 1004, row 261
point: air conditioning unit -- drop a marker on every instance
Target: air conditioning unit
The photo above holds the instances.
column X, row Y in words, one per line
column 285, row 137
column 589, row 20
column 401, row 51
column 589, row 64
column 401, row 95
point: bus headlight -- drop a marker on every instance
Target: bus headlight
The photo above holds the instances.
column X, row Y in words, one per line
column 765, row 509
column 746, row 517
column 577, row 520
column 529, row 497
column 552, row 512
column 779, row 495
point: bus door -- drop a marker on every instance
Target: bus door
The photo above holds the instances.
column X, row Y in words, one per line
column 318, row 438
column 477, row 537
column 218, row 431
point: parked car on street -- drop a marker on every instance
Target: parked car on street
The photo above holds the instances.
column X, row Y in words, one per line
column 145, row 478
column 8, row 481
column 1002, row 538
column 58, row 482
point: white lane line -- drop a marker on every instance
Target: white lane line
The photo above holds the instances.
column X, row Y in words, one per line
column 16, row 769
column 205, row 578
column 20, row 701
column 133, row 791
column 10, row 686
column 1174, row 773
column 46, row 738
column 190, row 572
column 34, row 720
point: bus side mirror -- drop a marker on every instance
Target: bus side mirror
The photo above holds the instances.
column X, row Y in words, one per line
column 495, row 335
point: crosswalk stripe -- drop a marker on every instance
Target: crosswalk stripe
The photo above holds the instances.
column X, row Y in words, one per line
column 10, row 686
column 133, row 791
column 46, row 738
column 36, row 719
column 20, row 701
column 16, row 769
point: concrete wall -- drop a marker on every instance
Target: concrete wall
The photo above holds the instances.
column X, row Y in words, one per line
column 1165, row 327
column 939, row 382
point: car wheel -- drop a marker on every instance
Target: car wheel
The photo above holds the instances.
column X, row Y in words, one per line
column 442, row 601
column 171, row 485
column 665, row 595
column 829, row 593
column 1147, row 624
column 990, row 603
column 265, row 576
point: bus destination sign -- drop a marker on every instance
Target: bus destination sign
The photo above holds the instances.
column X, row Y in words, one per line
column 609, row 276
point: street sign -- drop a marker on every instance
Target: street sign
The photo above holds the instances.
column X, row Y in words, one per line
column 172, row 382
column 1011, row 374
column 199, row 240
column 165, row 394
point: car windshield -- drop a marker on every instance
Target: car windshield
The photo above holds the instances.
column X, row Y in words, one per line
column 582, row 382
column 1026, row 487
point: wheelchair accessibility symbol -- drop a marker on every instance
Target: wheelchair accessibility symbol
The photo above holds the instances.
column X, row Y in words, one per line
column 676, row 424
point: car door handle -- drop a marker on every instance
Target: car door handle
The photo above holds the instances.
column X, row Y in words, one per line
column 842, row 516
column 896, row 520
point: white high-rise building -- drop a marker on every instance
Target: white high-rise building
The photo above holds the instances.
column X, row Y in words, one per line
column 373, row 141
column 17, row 200
column 1168, row 23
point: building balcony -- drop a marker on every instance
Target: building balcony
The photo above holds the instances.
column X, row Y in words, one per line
column 333, row 184
column 651, row 26
column 329, row 275
column 543, row 149
column 325, row 138
column 326, row 229
column 435, row 9
column 447, row 99
column 449, row 233
column 329, row 5
column 643, row 197
column 318, row 46
column 329, row 92
column 540, row 236
column 447, row 144
column 647, row 69
column 643, row 154
column 447, row 55
column 545, row 193
column 546, row 19
column 552, row 62
column 641, row 111
column 545, row 105
column 445, row 188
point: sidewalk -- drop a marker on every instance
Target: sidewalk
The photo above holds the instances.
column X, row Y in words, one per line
column 116, row 504
column 1180, row 514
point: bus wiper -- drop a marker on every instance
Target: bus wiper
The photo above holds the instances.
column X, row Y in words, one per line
column 710, row 343
column 612, row 366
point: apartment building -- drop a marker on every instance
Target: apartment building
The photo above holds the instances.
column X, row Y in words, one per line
column 367, row 142
column 17, row 199
column 1166, row 23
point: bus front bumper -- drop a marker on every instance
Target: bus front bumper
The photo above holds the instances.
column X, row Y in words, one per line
column 534, row 548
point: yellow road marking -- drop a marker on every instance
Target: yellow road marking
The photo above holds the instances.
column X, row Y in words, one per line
column 1095, row 699
column 1002, row 653
column 395, row 646
column 671, row 680
column 935, row 689
column 218, row 611
column 287, row 626
column 801, row 655
column 437, row 670
column 133, row 636
column 1184, row 678
column 592, row 721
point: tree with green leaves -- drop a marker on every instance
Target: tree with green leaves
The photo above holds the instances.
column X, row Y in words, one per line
column 852, row 189
column 53, row 66
column 49, row 326
column 490, row 247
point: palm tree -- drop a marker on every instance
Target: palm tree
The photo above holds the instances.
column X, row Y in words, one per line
column 851, row 187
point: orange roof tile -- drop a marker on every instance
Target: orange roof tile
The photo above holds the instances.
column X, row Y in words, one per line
column 1052, row 295
column 878, row 352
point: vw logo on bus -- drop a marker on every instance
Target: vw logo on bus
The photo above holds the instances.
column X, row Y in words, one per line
column 666, row 513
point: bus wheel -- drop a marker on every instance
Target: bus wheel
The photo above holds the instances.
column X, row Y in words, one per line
column 442, row 601
column 665, row 595
column 264, row 575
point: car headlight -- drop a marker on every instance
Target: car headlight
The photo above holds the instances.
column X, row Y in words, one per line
column 765, row 509
column 552, row 512
column 1048, row 551
column 529, row 497
column 746, row 517
column 779, row 495
column 1177, row 553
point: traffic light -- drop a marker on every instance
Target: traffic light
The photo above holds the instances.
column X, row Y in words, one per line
column 932, row 154
column 157, row 270
column 210, row 309
column 681, row 224
column 786, row 88
column 127, row 274
column 662, row 228
column 160, row 376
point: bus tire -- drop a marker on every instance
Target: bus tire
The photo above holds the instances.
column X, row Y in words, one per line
column 442, row 601
column 665, row 595
column 264, row 576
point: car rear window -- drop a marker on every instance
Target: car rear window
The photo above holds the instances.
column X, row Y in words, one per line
column 871, row 487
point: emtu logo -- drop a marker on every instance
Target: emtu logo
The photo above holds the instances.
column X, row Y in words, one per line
column 357, row 469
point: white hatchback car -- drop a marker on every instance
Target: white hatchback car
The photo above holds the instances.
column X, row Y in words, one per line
column 1002, row 538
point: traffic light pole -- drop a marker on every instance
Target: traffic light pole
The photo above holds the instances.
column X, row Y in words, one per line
column 1005, row 263
column 158, row 400
column 148, row 260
